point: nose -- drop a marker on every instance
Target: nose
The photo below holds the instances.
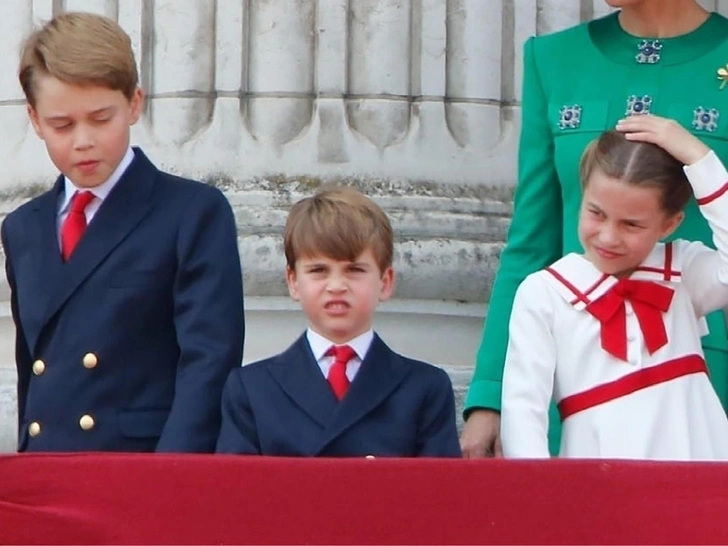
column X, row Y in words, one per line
column 609, row 236
column 82, row 137
column 336, row 284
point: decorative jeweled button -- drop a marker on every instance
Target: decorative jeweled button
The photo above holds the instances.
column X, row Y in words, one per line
column 569, row 116
column 638, row 105
column 705, row 119
column 648, row 51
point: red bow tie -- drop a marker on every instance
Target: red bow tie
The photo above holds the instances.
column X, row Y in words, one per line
column 649, row 300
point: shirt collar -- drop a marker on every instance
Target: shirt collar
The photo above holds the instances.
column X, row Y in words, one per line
column 101, row 191
column 579, row 282
column 319, row 344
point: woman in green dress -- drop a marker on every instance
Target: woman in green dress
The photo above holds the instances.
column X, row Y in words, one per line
column 665, row 57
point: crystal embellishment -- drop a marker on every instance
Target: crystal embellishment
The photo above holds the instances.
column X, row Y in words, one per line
column 705, row 119
column 638, row 105
column 648, row 51
column 569, row 117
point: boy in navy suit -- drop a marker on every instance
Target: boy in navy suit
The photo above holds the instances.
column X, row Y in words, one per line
column 339, row 390
column 125, row 281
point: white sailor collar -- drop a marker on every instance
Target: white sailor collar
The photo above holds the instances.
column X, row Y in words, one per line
column 579, row 282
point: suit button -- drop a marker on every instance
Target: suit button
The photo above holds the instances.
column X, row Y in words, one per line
column 34, row 429
column 86, row 422
column 38, row 367
column 90, row 361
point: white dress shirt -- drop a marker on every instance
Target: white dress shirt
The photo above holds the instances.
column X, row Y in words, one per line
column 319, row 345
column 100, row 192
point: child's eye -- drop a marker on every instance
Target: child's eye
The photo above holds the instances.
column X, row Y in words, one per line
column 102, row 120
column 595, row 212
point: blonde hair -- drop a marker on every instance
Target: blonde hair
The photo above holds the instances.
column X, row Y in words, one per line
column 339, row 223
column 79, row 49
column 638, row 164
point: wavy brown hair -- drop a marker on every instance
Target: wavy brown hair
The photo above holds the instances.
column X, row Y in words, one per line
column 79, row 49
column 339, row 223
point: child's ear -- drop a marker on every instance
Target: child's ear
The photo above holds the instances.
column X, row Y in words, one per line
column 671, row 224
column 387, row 284
column 136, row 104
column 292, row 283
column 35, row 121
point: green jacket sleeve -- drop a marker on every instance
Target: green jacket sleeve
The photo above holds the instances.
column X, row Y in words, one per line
column 534, row 237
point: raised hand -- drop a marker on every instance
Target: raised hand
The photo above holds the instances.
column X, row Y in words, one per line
column 666, row 133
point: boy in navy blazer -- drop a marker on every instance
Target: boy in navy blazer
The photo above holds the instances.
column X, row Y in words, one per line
column 339, row 391
column 125, row 281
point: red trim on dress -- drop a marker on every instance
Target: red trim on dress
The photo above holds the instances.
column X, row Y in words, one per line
column 668, row 260
column 646, row 377
column 667, row 272
column 672, row 273
column 579, row 295
column 596, row 285
column 713, row 196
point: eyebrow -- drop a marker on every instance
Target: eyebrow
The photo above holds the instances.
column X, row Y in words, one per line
column 623, row 220
column 103, row 110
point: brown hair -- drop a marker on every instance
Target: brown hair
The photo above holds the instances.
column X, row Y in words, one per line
column 640, row 164
column 79, row 49
column 339, row 223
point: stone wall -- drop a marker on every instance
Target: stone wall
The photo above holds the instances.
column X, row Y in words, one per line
column 415, row 101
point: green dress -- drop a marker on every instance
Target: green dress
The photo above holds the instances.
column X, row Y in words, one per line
column 577, row 84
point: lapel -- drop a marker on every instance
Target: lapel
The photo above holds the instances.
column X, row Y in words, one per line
column 382, row 370
column 119, row 214
column 49, row 263
column 298, row 374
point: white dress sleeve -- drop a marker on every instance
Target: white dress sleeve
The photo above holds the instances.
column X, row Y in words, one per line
column 704, row 270
column 528, row 376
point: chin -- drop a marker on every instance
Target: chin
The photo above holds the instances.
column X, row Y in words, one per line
column 623, row 3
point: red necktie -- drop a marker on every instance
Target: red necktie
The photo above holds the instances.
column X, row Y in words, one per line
column 337, row 373
column 75, row 223
column 649, row 300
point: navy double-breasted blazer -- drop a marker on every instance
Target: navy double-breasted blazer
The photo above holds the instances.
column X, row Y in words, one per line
column 395, row 407
column 126, row 346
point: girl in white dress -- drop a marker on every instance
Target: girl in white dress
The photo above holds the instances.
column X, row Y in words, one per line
column 613, row 335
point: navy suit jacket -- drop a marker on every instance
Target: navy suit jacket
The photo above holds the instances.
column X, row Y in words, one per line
column 395, row 407
column 153, row 291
